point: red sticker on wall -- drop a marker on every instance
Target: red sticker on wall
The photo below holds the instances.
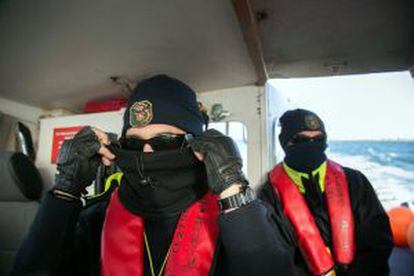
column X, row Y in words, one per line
column 59, row 136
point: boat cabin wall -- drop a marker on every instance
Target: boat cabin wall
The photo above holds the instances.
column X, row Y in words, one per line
column 256, row 108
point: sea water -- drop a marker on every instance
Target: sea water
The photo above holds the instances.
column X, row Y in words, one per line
column 388, row 165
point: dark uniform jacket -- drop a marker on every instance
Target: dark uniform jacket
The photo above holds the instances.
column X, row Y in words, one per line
column 65, row 240
column 372, row 229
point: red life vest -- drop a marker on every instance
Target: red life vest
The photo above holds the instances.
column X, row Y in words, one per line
column 311, row 244
column 192, row 247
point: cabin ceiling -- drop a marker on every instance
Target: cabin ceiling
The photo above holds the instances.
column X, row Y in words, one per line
column 57, row 53
column 305, row 38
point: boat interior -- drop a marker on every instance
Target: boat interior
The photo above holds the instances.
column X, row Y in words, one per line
column 58, row 56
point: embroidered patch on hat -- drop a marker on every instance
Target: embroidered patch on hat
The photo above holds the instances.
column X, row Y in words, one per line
column 140, row 114
column 312, row 122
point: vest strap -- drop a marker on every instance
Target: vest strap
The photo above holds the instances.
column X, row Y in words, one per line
column 311, row 244
column 192, row 248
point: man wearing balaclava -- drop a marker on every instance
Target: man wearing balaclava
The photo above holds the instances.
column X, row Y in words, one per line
column 180, row 204
column 336, row 222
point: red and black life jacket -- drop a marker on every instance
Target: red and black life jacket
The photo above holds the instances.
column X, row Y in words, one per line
column 312, row 246
column 192, row 248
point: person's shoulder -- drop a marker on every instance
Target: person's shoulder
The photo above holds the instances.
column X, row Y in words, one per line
column 354, row 175
column 352, row 171
column 359, row 185
column 363, row 196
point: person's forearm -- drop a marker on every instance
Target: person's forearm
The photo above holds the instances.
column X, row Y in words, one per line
column 253, row 243
column 50, row 236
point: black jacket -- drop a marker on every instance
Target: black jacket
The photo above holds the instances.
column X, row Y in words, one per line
column 372, row 229
column 65, row 240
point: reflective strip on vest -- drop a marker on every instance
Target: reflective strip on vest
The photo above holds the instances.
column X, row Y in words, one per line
column 113, row 177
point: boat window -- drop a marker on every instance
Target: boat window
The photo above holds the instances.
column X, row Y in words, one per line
column 277, row 150
column 238, row 132
column 369, row 124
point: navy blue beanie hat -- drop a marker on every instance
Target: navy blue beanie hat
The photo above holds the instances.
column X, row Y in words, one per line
column 163, row 100
column 294, row 121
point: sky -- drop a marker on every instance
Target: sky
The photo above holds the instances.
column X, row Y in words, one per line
column 357, row 107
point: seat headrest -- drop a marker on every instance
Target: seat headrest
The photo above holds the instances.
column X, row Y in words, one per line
column 19, row 178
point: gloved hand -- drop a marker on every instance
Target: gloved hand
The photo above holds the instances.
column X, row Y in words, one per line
column 222, row 160
column 78, row 162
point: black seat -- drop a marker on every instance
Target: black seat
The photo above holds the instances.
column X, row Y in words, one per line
column 20, row 190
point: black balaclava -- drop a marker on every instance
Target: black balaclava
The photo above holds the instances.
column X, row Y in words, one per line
column 305, row 156
column 162, row 183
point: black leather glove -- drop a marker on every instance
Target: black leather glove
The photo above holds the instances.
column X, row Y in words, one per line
column 222, row 160
column 78, row 162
